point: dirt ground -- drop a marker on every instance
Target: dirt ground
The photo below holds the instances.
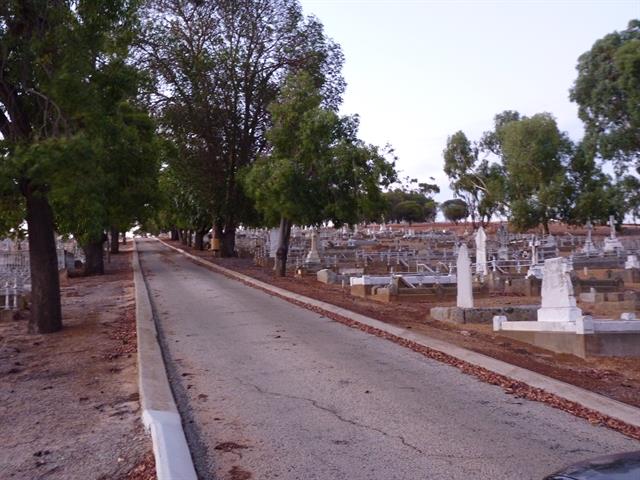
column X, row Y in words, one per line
column 69, row 403
column 616, row 378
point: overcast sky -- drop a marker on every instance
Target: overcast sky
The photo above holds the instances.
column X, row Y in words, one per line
column 418, row 71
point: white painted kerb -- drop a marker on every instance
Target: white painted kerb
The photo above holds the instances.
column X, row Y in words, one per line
column 159, row 412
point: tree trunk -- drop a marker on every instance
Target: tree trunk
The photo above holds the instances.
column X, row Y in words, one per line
column 283, row 247
column 183, row 237
column 124, row 238
column 115, row 236
column 545, row 227
column 174, row 234
column 229, row 243
column 94, row 261
column 189, row 238
column 199, row 240
column 46, row 314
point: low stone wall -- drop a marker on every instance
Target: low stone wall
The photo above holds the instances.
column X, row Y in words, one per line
column 519, row 313
column 592, row 345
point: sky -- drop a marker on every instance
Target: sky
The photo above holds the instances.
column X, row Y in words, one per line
column 419, row 71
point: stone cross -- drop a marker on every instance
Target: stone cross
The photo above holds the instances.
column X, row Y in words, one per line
column 463, row 275
column 612, row 244
column 558, row 301
column 481, row 252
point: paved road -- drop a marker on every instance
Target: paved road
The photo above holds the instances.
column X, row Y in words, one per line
column 269, row 390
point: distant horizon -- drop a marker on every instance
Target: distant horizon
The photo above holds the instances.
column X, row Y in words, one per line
column 418, row 71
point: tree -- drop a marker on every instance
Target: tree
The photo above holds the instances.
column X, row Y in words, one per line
column 49, row 52
column 607, row 92
column 535, row 155
column 630, row 187
column 316, row 170
column 409, row 211
column 411, row 202
column 475, row 180
column 218, row 64
column 590, row 194
column 454, row 210
column 113, row 183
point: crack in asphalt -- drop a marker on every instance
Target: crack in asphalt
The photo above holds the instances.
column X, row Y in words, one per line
column 335, row 414
column 447, row 457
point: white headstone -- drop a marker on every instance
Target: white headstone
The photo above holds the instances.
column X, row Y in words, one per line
column 612, row 244
column 313, row 257
column 465, row 284
column 632, row 262
column 612, row 227
column 481, row 252
column 588, row 246
column 274, row 239
column 558, row 301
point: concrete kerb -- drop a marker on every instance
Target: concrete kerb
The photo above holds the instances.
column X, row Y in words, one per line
column 590, row 400
column 159, row 412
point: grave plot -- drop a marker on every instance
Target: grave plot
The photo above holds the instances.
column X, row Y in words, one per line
column 15, row 271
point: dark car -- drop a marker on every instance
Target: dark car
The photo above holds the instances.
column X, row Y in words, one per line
column 623, row 466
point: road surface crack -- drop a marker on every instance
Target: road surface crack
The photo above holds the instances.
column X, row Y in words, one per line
column 336, row 414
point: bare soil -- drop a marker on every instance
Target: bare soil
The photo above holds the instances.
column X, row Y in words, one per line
column 617, row 378
column 69, row 402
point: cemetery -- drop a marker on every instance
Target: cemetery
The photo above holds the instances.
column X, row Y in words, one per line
column 15, row 271
column 320, row 273
column 569, row 293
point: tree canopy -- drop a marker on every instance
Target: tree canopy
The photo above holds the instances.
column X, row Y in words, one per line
column 454, row 210
column 607, row 91
column 217, row 65
column 67, row 119
column 317, row 170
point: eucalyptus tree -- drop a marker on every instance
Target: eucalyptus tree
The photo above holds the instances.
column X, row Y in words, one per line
column 473, row 178
column 218, row 64
column 607, row 91
column 536, row 155
column 50, row 52
column 316, row 170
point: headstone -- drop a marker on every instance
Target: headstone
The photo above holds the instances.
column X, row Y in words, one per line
column 588, row 246
column 326, row 276
column 313, row 257
column 558, row 301
column 503, row 235
column 274, row 239
column 612, row 227
column 481, row 252
column 632, row 262
column 465, row 284
column 612, row 244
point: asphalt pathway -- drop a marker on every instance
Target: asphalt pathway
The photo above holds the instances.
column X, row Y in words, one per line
column 269, row 390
